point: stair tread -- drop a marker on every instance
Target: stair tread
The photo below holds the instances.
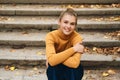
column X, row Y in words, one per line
column 45, row 9
column 23, row 73
column 38, row 53
column 29, row 53
column 59, row 1
column 53, row 7
column 40, row 36
column 37, row 73
column 53, row 19
column 47, row 22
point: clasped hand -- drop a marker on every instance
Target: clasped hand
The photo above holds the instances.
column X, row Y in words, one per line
column 78, row 48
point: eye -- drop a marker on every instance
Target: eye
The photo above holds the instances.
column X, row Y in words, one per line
column 66, row 22
column 73, row 23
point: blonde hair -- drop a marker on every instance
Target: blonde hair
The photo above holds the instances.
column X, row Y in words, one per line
column 68, row 11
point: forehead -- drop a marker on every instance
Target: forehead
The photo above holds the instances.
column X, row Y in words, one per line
column 69, row 17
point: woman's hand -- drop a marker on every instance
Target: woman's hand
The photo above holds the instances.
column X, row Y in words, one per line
column 78, row 48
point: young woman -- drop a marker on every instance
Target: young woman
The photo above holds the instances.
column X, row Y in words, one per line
column 64, row 49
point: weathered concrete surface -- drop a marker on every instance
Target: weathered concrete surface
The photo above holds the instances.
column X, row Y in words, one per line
column 52, row 10
column 39, row 73
column 59, row 1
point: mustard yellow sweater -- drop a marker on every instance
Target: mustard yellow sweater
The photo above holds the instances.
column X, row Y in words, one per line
column 59, row 48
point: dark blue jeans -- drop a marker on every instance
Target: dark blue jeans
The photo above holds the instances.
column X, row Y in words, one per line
column 62, row 72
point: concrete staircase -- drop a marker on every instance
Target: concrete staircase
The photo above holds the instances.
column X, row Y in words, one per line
column 25, row 23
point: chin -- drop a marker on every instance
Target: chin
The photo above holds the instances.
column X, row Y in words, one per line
column 67, row 33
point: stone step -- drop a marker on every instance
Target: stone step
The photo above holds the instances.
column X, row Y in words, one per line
column 23, row 73
column 45, row 9
column 36, row 56
column 59, row 1
column 50, row 22
column 90, row 38
column 39, row 73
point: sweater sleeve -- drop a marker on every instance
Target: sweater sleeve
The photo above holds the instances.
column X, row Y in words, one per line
column 53, row 57
column 74, row 60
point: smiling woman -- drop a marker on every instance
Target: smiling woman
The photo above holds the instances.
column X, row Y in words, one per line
column 63, row 49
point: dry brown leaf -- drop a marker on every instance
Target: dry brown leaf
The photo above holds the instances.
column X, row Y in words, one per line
column 69, row 6
column 106, row 37
column 111, row 71
column 35, row 68
column 94, row 48
column 82, row 6
column 105, row 74
column 24, row 33
column 3, row 18
column 99, row 50
column 116, row 19
column 12, row 68
column 12, row 50
column 6, row 67
column 39, row 53
column 10, row 19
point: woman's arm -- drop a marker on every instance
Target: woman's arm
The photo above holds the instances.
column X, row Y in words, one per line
column 74, row 60
column 53, row 57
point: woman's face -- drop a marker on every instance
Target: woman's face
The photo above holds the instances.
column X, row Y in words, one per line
column 67, row 24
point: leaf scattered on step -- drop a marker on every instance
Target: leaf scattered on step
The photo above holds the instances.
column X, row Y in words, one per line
column 12, row 68
column 6, row 67
column 25, row 33
column 92, row 6
column 3, row 18
column 94, row 48
column 105, row 74
column 69, row 6
column 12, row 50
column 35, row 68
column 10, row 19
column 111, row 18
column 106, row 51
column 106, row 37
column 117, row 19
column 39, row 53
column 113, row 35
column 111, row 71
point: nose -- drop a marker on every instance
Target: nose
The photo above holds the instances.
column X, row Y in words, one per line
column 68, row 26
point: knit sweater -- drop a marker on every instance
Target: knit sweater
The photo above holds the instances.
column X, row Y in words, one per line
column 59, row 48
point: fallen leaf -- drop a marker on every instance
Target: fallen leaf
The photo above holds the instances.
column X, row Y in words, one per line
column 69, row 6
column 12, row 68
column 116, row 19
column 105, row 74
column 111, row 71
column 12, row 50
column 39, row 53
column 6, row 67
column 35, row 68
column 105, row 37
column 3, row 18
column 82, row 6
column 94, row 48
column 25, row 32
column 10, row 19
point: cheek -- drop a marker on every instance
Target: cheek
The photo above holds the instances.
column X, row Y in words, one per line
column 73, row 27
